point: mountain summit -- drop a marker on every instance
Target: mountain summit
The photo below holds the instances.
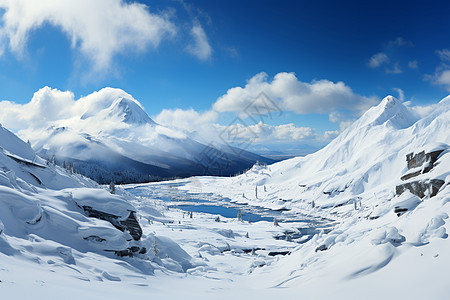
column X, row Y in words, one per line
column 129, row 111
column 390, row 111
column 114, row 104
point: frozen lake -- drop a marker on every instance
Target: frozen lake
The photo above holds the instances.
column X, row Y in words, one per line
column 211, row 204
column 302, row 229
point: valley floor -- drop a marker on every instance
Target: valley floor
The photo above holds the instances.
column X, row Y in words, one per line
column 221, row 269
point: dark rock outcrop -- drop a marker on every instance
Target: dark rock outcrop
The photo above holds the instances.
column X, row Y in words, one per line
column 419, row 159
column 321, row 248
column 421, row 188
column 130, row 252
column 130, row 224
column 424, row 187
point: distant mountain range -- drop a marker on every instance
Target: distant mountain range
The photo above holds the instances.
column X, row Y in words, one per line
column 115, row 140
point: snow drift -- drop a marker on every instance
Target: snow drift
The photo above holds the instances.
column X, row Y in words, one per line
column 48, row 213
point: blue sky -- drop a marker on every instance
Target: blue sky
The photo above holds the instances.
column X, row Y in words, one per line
column 205, row 48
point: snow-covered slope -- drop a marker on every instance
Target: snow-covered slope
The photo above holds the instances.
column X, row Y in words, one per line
column 61, row 220
column 386, row 182
column 113, row 139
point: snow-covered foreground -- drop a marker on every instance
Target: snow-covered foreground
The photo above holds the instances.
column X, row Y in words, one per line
column 381, row 189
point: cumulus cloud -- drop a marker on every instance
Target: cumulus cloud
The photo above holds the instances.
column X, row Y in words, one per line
column 98, row 29
column 200, row 46
column 378, row 59
column 204, row 126
column 259, row 135
column 189, row 119
column 289, row 131
column 441, row 75
column 46, row 106
column 288, row 93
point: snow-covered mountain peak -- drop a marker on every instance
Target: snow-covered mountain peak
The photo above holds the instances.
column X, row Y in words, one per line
column 129, row 111
column 114, row 104
column 390, row 111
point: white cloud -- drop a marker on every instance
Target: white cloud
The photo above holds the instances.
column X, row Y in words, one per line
column 442, row 74
column 200, row 46
column 344, row 119
column 46, row 106
column 401, row 94
column 204, row 127
column 54, row 107
column 329, row 135
column 413, row 64
column 266, row 135
column 265, row 132
column 443, row 78
column 189, row 120
column 422, row 111
column 288, row 93
column 98, row 29
column 378, row 59
column 395, row 70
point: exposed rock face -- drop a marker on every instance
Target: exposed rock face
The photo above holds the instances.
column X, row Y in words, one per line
column 421, row 188
column 425, row 187
column 132, row 251
column 416, row 161
column 131, row 224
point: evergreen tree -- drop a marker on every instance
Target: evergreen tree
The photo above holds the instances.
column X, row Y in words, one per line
column 112, row 187
column 155, row 247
